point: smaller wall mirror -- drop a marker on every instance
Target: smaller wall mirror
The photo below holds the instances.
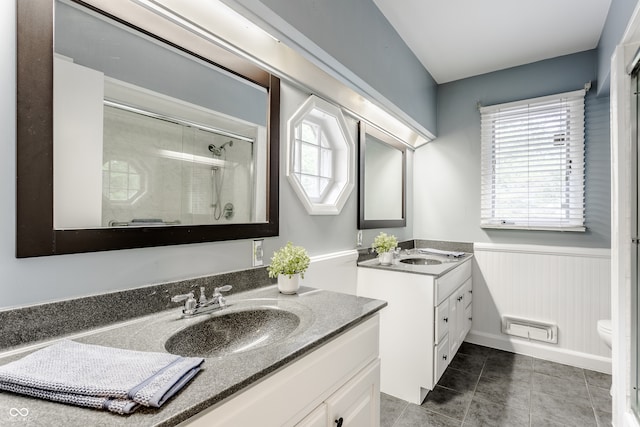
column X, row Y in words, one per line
column 382, row 179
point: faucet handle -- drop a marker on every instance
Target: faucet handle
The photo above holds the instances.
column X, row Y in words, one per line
column 190, row 302
column 178, row 298
column 226, row 288
column 216, row 294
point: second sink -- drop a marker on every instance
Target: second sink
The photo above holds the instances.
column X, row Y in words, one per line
column 421, row 261
column 234, row 332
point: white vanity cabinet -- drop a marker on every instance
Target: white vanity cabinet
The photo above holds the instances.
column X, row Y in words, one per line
column 339, row 380
column 422, row 327
column 356, row 403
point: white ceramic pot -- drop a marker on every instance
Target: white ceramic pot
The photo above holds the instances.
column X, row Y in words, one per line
column 288, row 285
column 385, row 258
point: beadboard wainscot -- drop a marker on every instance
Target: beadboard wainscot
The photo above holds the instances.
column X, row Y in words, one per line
column 335, row 271
column 568, row 286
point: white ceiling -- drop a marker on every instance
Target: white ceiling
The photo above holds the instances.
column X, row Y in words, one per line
column 455, row 39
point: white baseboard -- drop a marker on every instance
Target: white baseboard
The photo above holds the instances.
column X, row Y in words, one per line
column 559, row 355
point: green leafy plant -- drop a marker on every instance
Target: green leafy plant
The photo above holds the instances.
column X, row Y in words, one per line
column 289, row 260
column 384, row 243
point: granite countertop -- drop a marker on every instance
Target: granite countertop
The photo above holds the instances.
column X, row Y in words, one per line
column 323, row 315
column 443, row 264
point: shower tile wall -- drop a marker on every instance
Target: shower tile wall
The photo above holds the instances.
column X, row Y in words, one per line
column 168, row 188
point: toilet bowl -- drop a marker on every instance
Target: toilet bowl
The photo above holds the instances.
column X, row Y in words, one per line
column 604, row 330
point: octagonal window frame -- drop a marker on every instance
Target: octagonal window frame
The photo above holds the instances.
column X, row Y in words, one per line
column 330, row 119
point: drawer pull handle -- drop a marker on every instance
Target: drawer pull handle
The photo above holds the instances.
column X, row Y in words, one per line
column 446, row 320
column 339, row 422
column 460, row 298
column 470, row 318
column 444, row 357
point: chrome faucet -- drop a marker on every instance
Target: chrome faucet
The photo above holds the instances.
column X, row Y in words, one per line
column 203, row 304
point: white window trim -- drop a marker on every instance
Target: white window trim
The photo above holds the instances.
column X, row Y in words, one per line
column 343, row 159
column 529, row 219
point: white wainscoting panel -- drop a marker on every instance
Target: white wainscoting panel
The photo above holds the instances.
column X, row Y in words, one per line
column 570, row 287
column 336, row 271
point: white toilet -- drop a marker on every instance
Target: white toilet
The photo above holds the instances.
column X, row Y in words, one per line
column 604, row 330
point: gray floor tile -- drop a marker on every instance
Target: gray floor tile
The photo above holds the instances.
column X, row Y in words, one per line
column 598, row 379
column 540, row 421
column 447, row 402
column 519, row 361
column 574, row 391
column 512, row 358
column 604, row 418
column 511, row 390
column 600, row 398
column 501, row 369
column 390, row 409
column 459, row 380
column 504, row 391
column 416, row 416
column 491, row 414
column 468, row 362
column 555, row 409
column 558, row 370
column 474, row 349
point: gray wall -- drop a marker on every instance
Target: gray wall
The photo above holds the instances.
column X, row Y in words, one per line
column 358, row 36
column 620, row 12
column 447, row 170
column 34, row 280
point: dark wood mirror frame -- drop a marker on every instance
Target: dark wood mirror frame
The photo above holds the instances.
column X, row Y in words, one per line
column 35, row 234
column 364, row 224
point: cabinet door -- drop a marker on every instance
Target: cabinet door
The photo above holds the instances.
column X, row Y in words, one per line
column 441, row 361
column 442, row 320
column 357, row 403
column 454, row 320
column 468, row 292
column 468, row 317
column 461, row 321
column 318, row 418
column 457, row 320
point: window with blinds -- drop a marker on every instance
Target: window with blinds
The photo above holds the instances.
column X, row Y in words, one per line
column 532, row 173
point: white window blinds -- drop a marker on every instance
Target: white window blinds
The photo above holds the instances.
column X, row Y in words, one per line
column 532, row 173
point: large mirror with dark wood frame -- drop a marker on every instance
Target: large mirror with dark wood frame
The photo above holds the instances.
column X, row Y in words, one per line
column 131, row 137
column 381, row 179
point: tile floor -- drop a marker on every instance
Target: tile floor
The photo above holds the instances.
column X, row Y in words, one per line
column 488, row 387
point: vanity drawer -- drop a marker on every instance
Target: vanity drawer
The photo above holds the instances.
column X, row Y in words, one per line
column 468, row 292
column 442, row 320
column 441, row 359
column 448, row 283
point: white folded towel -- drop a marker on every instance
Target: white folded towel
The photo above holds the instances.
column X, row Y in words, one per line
column 439, row 252
column 99, row 377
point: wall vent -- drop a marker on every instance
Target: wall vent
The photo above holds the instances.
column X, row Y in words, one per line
column 530, row 329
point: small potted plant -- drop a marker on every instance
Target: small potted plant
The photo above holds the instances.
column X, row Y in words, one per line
column 384, row 244
column 288, row 264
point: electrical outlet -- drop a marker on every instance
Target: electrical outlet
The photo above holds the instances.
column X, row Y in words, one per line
column 258, row 253
column 359, row 238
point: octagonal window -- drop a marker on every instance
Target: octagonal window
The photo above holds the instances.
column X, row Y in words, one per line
column 121, row 181
column 321, row 154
